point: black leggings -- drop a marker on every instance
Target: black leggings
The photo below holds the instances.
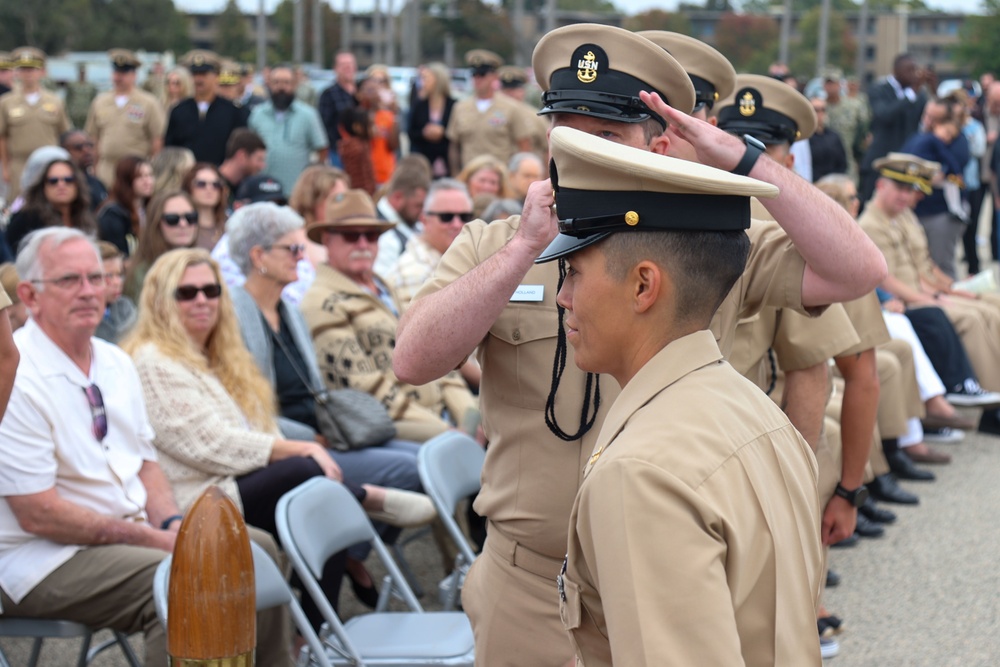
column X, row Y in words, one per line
column 943, row 346
column 260, row 491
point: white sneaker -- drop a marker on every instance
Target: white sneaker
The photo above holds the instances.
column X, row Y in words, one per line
column 944, row 435
column 971, row 395
column 829, row 647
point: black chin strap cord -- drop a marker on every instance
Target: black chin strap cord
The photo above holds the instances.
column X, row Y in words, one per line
column 588, row 414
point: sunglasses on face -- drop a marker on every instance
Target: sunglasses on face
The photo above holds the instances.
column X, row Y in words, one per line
column 208, row 184
column 190, row 292
column 448, row 216
column 174, row 219
column 293, row 249
column 353, row 237
column 55, row 180
column 98, row 416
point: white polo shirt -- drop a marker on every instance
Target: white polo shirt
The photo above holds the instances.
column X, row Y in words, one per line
column 46, row 441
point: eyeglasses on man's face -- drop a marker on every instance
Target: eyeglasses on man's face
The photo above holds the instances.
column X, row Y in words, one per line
column 72, row 281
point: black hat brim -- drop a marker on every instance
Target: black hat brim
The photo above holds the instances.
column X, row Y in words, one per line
column 564, row 245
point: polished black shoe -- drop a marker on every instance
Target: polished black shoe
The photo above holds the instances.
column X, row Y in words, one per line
column 868, row 528
column 876, row 513
column 903, row 467
column 832, row 579
column 849, row 541
column 887, row 489
column 990, row 422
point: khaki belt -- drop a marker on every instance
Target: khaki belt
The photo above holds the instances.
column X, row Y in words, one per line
column 521, row 556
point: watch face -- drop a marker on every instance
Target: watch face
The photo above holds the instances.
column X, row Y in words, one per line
column 860, row 496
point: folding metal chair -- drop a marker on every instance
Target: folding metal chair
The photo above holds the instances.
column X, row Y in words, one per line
column 40, row 629
column 450, row 466
column 271, row 590
column 321, row 517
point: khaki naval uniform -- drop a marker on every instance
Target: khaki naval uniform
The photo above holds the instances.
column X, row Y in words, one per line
column 528, row 485
column 128, row 130
column 495, row 131
column 735, row 483
column 26, row 127
column 904, row 244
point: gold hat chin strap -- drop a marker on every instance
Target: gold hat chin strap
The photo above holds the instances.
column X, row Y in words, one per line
column 900, row 177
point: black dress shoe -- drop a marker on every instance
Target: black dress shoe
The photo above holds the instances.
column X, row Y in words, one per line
column 868, row 528
column 876, row 513
column 832, row 579
column 901, row 464
column 367, row 595
column 885, row 488
column 849, row 541
column 990, row 422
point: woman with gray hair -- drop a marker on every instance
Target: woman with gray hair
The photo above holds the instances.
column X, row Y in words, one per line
column 266, row 241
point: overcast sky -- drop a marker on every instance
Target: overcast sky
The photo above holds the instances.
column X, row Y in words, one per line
column 627, row 6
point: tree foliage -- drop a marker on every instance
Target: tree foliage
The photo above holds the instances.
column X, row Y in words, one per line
column 749, row 41
column 978, row 48
column 764, row 6
column 473, row 25
column 284, row 21
column 841, row 45
column 658, row 19
column 233, row 38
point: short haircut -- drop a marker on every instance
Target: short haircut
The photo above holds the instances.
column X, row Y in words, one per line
column 260, row 224
column 28, row 262
column 703, row 266
column 501, row 209
column 518, row 159
column 900, row 59
column 109, row 251
column 407, row 179
column 835, row 187
column 443, row 185
column 68, row 134
column 651, row 129
column 243, row 139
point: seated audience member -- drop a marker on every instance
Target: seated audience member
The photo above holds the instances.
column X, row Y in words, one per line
column 524, row 169
column 87, row 512
column 80, row 147
column 171, row 222
column 208, row 192
column 246, row 156
column 315, row 186
column 403, row 203
column 501, row 209
column 485, row 175
column 353, row 315
column 17, row 311
column 34, row 168
column 123, row 216
column 119, row 310
column 170, row 166
column 212, row 412
column 56, row 199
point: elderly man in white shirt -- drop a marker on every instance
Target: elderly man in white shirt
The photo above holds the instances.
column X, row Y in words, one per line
column 86, row 515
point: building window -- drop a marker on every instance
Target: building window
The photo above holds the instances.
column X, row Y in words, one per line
column 870, row 53
column 204, row 22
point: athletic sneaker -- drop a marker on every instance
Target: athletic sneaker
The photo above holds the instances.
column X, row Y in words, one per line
column 944, row 435
column 829, row 647
column 971, row 395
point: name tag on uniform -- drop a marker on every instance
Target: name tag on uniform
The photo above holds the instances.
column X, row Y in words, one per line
column 528, row 293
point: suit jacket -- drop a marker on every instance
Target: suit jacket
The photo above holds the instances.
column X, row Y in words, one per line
column 420, row 115
column 205, row 137
column 894, row 120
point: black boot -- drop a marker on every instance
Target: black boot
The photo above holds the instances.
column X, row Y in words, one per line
column 901, row 464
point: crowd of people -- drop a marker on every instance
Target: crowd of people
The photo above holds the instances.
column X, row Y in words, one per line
column 193, row 269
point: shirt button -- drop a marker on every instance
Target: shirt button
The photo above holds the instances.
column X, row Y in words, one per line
column 517, row 334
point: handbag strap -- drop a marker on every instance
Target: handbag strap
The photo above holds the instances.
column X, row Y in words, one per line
column 317, row 395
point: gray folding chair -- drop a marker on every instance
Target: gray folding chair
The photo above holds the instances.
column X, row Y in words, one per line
column 271, row 590
column 320, row 518
column 40, row 629
column 450, row 466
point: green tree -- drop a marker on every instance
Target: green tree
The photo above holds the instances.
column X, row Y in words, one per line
column 233, row 38
column 475, row 25
column 750, row 42
column 841, row 45
column 658, row 19
column 764, row 6
column 978, row 48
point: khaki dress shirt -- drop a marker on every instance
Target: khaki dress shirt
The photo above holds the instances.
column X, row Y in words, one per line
column 129, row 130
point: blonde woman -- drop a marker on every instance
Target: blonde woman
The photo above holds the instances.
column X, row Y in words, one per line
column 212, row 410
column 315, row 186
column 170, row 166
column 486, row 175
column 179, row 86
column 429, row 118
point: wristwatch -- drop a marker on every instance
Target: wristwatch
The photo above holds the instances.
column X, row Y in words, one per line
column 754, row 150
column 857, row 497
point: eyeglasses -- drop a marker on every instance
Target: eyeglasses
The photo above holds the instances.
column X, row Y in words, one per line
column 174, row 219
column 353, row 237
column 448, row 216
column 73, row 281
column 294, row 248
column 190, row 292
column 208, row 184
column 98, row 416
column 55, row 180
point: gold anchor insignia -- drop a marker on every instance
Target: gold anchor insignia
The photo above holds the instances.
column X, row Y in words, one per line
column 587, row 68
column 747, row 105
column 631, row 218
column 912, row 169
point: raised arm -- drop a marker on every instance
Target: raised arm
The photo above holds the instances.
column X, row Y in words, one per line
column 841, row 261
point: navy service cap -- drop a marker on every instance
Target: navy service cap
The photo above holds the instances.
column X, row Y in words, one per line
column 28, row 57
column 512, row 77
column 908, row 170
column 768, row 110
column 123, row 60
column 199, row 61
column 711, row 73
column 602, row 188
column 482, row 61
column 598, row 70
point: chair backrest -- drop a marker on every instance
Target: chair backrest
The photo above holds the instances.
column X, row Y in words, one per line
column 271, row 591
column 450, row 466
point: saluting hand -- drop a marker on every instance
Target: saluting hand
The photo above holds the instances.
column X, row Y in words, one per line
column 539, row 222
column 713, row 147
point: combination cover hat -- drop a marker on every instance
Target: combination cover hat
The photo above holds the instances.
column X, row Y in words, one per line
column 602, row 188
column 768, row 110
column 908, row 169
column 482, row 61
column 199, row 61
column 711, row 73
column 598, row 70
column 123, row 60
column 28, row 57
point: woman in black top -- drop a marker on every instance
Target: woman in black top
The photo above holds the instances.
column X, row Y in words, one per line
column 429, row 118
column 121, row 219
column 56, row 199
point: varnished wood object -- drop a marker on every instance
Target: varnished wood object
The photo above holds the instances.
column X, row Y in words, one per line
column 211, row 617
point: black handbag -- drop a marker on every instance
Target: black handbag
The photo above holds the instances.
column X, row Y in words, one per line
column 347, row 418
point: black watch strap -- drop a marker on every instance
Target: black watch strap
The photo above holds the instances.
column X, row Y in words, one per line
column 857, row 497
column 754, row 150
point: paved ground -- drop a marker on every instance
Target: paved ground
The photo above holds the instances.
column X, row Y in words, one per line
column 924, row 595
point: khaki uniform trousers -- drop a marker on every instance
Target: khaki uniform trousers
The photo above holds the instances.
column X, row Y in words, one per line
column 511, row 598
column 111, row 586
column 899, row 395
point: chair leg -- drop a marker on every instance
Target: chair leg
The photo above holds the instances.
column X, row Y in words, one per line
column 119, row 639
column 36, row 649
column 84, row 651
column 404, row 566
column 4, row 662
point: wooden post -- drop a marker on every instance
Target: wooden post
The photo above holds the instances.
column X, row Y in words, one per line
column 211, row 608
